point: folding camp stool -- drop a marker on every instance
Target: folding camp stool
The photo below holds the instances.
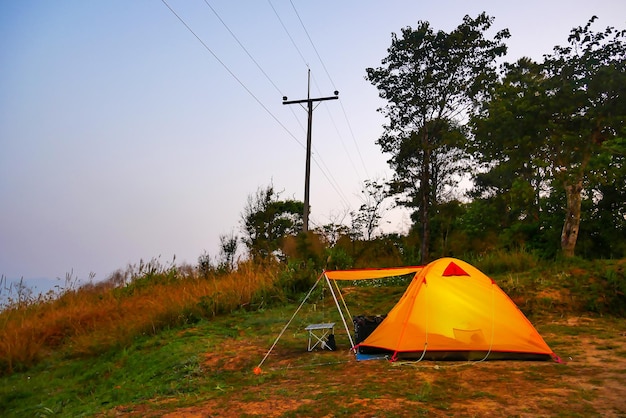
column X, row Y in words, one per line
column 317, row 333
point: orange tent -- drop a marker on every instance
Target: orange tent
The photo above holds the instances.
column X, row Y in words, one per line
column 451, row 310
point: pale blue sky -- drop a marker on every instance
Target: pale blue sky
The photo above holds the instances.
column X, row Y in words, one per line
column 122, row 138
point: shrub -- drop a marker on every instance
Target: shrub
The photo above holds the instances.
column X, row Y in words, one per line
column 499, row 261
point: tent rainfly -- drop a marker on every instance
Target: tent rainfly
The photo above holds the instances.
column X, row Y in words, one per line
column 450, row 311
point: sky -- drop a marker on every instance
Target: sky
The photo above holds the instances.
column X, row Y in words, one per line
column 137, row 130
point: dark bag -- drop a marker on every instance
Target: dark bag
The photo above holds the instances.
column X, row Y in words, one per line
column 330, row 342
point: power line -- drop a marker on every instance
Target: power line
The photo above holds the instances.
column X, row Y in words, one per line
column 288, row 34
column 334, row 184
column 343, row 144
column 243, row 47
column 312, row 44
column 356, row 145
column 233, row 74
column 252, row 58
column 278, row 89
column 334, row 181
column 333, row 84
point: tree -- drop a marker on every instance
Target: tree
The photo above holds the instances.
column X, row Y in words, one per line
column 548, row 121
column 332, row 231
column 430, row 80
column 603, row 221
column 515, row 170
column 367, row 218
column 587, row 82
column 266, row 221
column 228, row 250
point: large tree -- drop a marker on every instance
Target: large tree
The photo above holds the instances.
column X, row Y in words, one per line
column 429, row 80
column 550, row 120
column 604, row 223
column 515, row 175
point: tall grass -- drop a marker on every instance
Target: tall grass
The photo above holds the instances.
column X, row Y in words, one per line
column 142, row 300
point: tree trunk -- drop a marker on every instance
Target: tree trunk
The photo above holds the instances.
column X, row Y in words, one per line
column 425, row 203
column 569, row 235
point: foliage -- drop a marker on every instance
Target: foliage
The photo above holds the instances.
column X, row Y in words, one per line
column 266, row 221
column 297, row 278
column 500, row 262
column 226, row 260
column 601, row 286
column 338, row 259
column 205, row 265
column 543, row 128
column 228, row 251
column 430, row 80
column 367, row 219
column 383, row 251
column 447, row 237
column 603, row 219
column 331, row 232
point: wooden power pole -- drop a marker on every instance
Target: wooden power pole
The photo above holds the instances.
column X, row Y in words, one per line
column 307, row 174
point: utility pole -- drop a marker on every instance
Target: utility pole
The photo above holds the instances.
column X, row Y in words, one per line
column 307, row 174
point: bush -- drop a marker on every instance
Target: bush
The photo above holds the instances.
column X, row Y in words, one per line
column 499, row 261
column 601, row 287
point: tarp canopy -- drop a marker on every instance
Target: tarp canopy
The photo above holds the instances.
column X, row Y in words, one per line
column 371, row 273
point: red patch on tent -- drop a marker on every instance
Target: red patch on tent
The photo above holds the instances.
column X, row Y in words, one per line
column 454, row 270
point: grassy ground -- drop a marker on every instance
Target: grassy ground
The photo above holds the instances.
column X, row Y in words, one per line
column 206, row 369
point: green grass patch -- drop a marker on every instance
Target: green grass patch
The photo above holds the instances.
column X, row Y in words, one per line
column 159, row 366
column 173, row 370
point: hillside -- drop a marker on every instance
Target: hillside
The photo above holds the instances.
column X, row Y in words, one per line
column 202, row 364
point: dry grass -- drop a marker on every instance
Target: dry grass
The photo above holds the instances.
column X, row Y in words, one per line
column 95, row 318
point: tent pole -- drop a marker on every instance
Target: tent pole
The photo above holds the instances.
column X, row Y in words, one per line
column 343, row 300
column 340, row 311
